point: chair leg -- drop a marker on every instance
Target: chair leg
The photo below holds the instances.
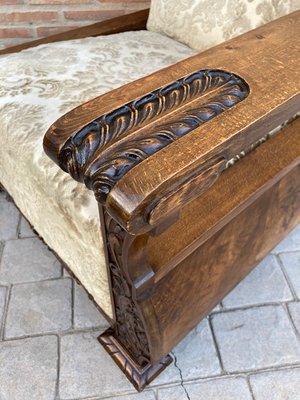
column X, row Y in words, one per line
column 127, row 341
column 138, row 375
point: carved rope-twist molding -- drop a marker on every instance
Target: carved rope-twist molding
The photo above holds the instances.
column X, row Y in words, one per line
column 94, row 156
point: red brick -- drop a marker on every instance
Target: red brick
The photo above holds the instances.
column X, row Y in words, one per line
column 29, row 16
column 15, row 33
column 92, row 14
column 5, row 2
column 124, row 2
column 60, row 1
column 46, row 17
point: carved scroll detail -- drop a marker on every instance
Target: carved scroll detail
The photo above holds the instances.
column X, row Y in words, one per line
column 95, row 156
column 129, row 328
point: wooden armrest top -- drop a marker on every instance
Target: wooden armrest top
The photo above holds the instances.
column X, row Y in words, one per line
column 254, row 79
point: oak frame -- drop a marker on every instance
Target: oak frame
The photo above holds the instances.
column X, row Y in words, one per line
column 150, row 269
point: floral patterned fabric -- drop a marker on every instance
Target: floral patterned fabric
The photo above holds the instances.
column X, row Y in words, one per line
column 37, row 86
column 202, row 24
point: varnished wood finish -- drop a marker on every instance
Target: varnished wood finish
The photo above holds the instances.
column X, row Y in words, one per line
column 215, row 208
column 129, row 326
column 135, row 200
column 131, row 22
column 237, row 222
column 177, row 238
column 139, row 377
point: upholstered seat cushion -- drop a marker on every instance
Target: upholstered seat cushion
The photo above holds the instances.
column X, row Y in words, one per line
column 202, row 24
column 37, row 86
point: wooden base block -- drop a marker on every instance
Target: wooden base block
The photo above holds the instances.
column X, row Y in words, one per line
column 139, row 377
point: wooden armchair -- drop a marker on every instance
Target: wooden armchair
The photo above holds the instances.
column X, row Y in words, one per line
column 196, row 171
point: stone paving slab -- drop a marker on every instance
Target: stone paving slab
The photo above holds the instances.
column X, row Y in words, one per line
column 30, row 371
column 25, row 230
column 9, row 219
column 172, row 393
column 27, row 260
column 294, row 309
column 202, row 360
column 265, row 284
column 277, row 385
column 86, row 370
column 291, row 264
column 2, row 196
column 86, row 315
column 256, row 338
column 39, row 307
column 217, row 389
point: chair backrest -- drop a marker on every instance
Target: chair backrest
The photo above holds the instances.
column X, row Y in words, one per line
column 202, row 24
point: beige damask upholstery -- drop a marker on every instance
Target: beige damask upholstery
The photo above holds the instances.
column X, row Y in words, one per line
column 201, row 24
column 37, row 86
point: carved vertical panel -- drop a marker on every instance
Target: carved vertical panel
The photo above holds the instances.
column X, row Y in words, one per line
column 129, row 327
column 127, row 342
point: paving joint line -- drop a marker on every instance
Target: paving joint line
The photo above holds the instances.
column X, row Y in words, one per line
column 297, row 333
column 4, row 318
column 285, row 252
column 57, row 333
column 217, row 348
column 73, row 304
column 2, row 245
column 18, row 228
column 253, row 306
column 58, row 368
column 4, row 307
column 287, row 278
column 250, row 387
column 39, row 281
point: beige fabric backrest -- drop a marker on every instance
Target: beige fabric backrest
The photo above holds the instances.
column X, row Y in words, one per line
column 202, row 24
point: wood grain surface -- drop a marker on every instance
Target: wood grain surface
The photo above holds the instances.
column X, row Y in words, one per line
column 220, row 237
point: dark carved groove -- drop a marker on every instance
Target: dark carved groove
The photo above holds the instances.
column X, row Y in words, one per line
column 129, row 329
column 93, row 155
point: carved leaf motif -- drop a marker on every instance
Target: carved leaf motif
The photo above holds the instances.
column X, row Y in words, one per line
column 100, row 173
column 129, row 328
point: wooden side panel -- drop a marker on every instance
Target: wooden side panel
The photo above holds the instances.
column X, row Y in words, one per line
column 218, row 239
column 219, row 264
column 235, row 190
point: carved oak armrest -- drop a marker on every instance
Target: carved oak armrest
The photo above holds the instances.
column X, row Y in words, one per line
column 150, row 147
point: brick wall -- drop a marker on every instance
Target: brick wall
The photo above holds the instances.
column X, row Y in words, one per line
column 24, row 20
